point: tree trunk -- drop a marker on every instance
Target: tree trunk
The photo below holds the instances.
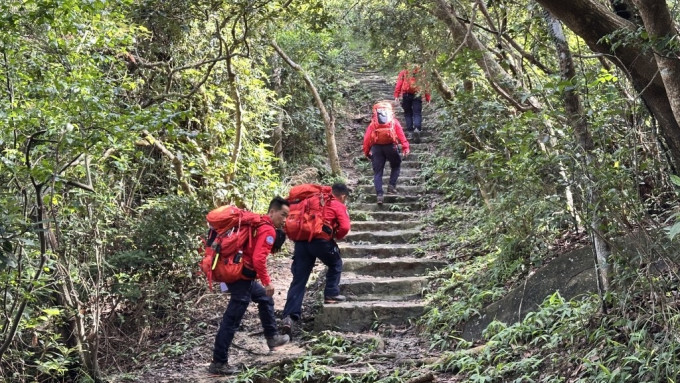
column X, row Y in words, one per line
column 584, row 139
column 657, row 21
column 592, row 21
column 176, row 161
column 277, row 135
column 328, row 120
column 444, row 90
column 504, row 84
column 238, row 121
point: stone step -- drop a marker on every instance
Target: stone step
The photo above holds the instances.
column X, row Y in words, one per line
column 411, row 181
column 412, row 173
column 405, row 172
column 390, row 267
column 372, row 198
column 392, row 236
column 415, row 158
column 388, row 206
column 403, row 190
column 374, row 81
column 375, row 287
column 385, row 225
column 411, row 165
column 359, row 215
column 363, row 315
column 349, row 250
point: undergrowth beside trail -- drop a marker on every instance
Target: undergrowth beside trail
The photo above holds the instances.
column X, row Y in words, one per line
column 572, row 341
column 502, row 214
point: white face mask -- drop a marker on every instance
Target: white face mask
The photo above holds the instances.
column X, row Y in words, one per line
column 384, row 116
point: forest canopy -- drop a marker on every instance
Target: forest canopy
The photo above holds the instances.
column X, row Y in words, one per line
column 124, row 122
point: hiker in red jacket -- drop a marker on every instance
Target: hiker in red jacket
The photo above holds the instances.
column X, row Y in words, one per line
column 323, row 247
column 381, row 140
column 411, row 86
column 243, row 291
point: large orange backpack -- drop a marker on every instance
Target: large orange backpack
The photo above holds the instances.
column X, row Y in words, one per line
column 411, row 80
column 231, row 230
column 383, row 124
column 308, row 204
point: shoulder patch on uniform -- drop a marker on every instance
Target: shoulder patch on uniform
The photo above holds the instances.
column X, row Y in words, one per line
column 270, row 240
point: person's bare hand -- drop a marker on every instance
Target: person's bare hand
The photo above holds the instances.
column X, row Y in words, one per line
column 269, row 290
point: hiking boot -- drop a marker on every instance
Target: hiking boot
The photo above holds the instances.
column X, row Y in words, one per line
column 286, row 326
column 277, row 340
column 416, row 136
column 335, row 299
column 392, row 190
column 380, row 199
column 218, row 368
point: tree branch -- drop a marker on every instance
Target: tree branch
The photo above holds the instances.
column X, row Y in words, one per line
column 328, row 121
column 176, row 161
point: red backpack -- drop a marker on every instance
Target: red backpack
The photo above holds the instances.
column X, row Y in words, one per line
column 383, row 124
column 231, row 230
column 411, row 80
column 307, row 210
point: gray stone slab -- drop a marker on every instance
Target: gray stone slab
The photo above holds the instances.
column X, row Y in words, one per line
column 387, row 206
column 393, row 236
column 359, row 215
column 349, row 250
column 390, row 199
column 405, row 172
column 391, row 267
column 568, row 274
column 402, row 189
column 385, row 225
column 361, row 316
column 572, row 274
column 354, row 286
column 402, row 181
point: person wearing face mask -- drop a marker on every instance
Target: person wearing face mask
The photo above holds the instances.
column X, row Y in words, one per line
column 382, row 141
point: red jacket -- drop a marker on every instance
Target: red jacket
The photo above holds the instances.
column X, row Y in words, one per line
column 407, row 83
column 368, row 136
column 337, row 217
column 255, row 254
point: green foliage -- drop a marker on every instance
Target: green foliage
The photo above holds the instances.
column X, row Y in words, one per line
column 82, row 85
column 119, row 132
column 570, row 337
column 324, row 56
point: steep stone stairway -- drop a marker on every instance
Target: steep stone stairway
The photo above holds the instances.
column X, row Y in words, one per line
column 385, row 265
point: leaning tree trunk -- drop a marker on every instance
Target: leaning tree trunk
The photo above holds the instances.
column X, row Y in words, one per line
column 328, row 120
column 592, row 21
column 504, row 84
column 277, row 135
column 584, row 139
column 238, row 121
column 498, row 78
column 657, row 20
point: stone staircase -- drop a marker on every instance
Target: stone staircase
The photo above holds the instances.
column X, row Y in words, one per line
column 385, row 266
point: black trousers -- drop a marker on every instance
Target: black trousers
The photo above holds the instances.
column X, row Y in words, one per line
column 413, row 111
column 380, row 155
